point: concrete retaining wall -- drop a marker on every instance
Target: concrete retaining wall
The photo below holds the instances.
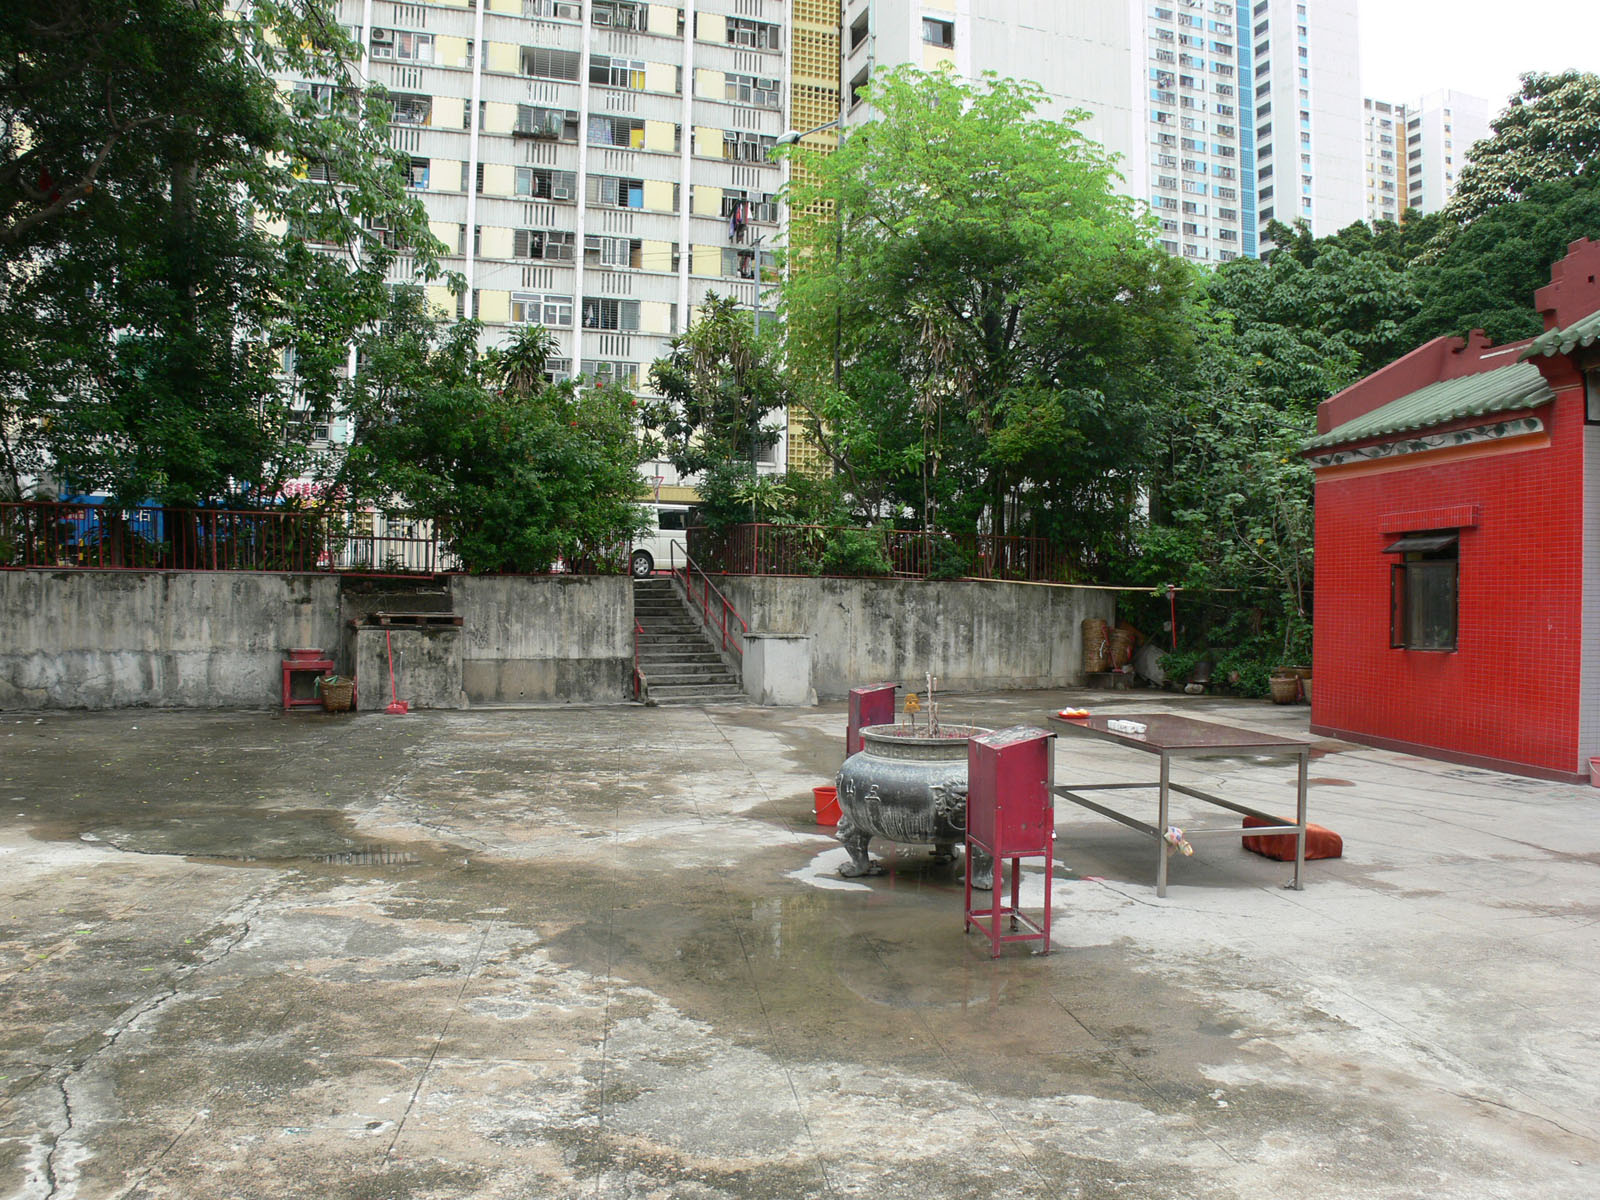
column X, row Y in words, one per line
column 972, row 635
column 541, row 640
column 113, row 639
column 118, row 639
column 167, row 639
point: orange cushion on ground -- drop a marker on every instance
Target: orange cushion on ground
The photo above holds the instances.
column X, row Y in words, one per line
column 1320, row 842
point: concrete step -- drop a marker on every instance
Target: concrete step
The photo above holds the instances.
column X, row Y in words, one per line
column 675, row 687
column 700, row 694
column 683, row 654
column 671, row 637
column 686, row 673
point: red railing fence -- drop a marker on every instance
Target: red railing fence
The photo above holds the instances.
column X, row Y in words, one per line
column 907, row 553
column 64, row 535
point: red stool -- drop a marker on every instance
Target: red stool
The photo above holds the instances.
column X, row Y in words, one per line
column 301, row 662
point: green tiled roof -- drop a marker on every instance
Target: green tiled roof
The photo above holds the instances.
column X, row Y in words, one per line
column 1504, row 389
column 1583, row 332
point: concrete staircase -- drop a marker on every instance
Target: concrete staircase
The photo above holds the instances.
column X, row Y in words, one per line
column 680, row 666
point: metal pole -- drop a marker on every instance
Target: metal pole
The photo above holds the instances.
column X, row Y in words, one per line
column 1161, row 827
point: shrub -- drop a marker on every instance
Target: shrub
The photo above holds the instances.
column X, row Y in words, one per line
column 854, row 552
column 947, row 559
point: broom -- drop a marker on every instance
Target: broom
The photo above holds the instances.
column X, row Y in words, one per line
column 396, row 705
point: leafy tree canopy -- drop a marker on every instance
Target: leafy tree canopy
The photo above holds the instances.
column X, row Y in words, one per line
column 1550, row 130
column 718, row 385
column 187, row 251
column 1486, row 276
column 1004, row 324
column 519, row 472
column 1345, row 298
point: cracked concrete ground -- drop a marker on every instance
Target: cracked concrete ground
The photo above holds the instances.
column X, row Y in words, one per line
column 603, row 952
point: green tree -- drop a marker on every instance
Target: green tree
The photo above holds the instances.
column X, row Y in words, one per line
column 1345, row 297
column 518, row 472
column 1232, row 515
column 187, row 251
column 1004, row 324
column 1550, row 130
column 1486, row 276
column 718, row 385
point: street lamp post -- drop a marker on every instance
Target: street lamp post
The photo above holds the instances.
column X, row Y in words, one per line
column 793, row 135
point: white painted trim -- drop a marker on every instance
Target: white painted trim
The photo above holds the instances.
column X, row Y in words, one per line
column 685, row 167
column 585, row 44
column 479, row 53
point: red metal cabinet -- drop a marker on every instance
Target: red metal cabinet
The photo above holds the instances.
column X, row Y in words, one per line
column 1010, row 816
column 868, row 706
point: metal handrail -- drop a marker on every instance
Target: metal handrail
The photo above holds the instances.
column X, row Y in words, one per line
column 640, row 684
column 707, row 590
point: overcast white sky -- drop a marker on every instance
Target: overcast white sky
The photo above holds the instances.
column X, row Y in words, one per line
column 1409, row 47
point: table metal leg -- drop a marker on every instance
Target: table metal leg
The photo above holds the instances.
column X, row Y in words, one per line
column 997, row 900
column 1161, row 829
column 1016, row 890
column 1300, row 819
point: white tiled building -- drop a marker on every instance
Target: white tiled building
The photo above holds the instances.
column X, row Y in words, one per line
column 1440, row 129
column 1081, row 55
column 1310, row 143
column 1385, row 137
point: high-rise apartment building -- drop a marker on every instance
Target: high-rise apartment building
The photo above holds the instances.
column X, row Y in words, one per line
column 1440, row 131
column 1199, row 132
column 594, row 166
column 1385, row 138
column 1310, row 148
column 815, row 89
column 1080, row 55
column 1415, row 151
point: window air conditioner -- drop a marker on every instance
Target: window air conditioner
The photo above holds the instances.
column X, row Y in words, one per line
column 382, row 35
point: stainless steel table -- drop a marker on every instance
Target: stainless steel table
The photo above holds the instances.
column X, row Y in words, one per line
column 1171, row 737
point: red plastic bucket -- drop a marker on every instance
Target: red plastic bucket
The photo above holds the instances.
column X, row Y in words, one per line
column 826, row 805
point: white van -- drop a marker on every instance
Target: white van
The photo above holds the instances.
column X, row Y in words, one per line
column 669, row 523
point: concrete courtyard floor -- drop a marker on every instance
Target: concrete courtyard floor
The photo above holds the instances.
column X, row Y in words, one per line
column 604, row 952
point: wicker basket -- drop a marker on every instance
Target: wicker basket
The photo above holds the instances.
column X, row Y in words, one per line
column 1285, row 688
column 1121, row 647
column 338, row 693
column 1096, row 645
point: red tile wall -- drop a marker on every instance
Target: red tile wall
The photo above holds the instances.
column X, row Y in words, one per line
column 1510, row 690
